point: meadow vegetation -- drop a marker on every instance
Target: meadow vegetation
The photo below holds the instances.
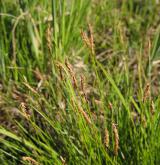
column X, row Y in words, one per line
column 79, row 82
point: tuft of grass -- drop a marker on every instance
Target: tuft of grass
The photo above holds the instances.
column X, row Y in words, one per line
column 79, row 82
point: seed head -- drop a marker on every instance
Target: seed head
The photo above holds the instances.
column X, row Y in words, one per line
column 152, row 108
column 24, row 110
column 84, row 114
column 48, row 37
column 30, row 160
column 146, row 92
column 116, row 139
column 88, row 40
column 106, row 138
column 72, row 74
column 91, row 39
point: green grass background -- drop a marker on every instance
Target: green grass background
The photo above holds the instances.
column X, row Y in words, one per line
column 36, row 40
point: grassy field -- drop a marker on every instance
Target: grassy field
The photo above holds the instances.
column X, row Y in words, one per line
column 79, row 82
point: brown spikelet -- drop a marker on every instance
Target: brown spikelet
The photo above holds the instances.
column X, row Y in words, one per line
column 82, row 83
column 116, row 139
column 110, row 106
column 146, row 92
column 38, row 74
column 48, row 37
column 88, row 40
column 91, row 39
column 80, row 109
column 152, row 109
column 71, row 72
column 106, row 138
column 85, row 38
column 24, row 110
column 61, row 68
column 86, row 117
column 18, row 95
column 82, row 88
column 74, row 81
column 69, row 67
column 30, row 160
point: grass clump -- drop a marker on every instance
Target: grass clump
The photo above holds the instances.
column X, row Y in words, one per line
column 79, row 82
